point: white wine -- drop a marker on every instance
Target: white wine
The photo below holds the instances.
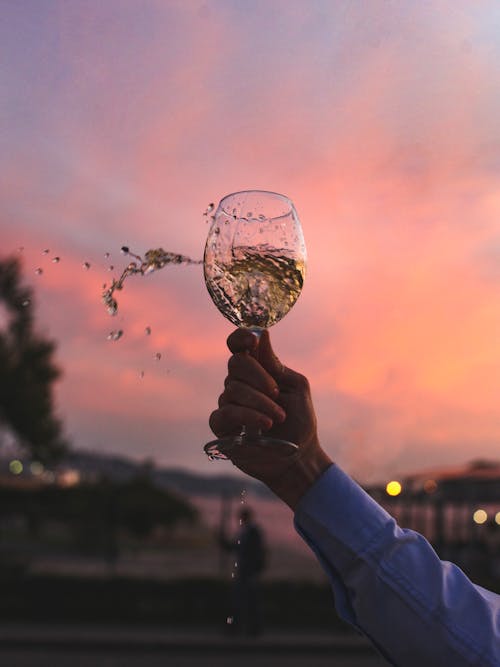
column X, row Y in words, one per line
column 257, row 286
column 153, row 260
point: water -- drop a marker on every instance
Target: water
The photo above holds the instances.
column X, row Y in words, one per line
column 153, row 260
column 115, row 335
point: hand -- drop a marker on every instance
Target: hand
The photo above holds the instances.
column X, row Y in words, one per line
column 261, row 393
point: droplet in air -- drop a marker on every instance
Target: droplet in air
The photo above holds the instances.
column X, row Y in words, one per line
column 39, row 271
column 147, row 331
column 56, row 260
column 229, row 620
column 111, row 267
column 209, row 208
column 115, row 335
column 86, row 266
column 158, row 356
column 25, row 303
column 124, row 249
column 46, row 251
column 141, row 374
column 106, row 255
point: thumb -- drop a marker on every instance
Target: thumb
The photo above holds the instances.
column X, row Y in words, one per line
column 268, row 359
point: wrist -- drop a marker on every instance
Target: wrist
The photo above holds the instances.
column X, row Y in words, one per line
column 300, row 475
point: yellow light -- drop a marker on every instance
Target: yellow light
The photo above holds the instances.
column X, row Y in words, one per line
column 16, row 467
column 393, row 488
column 497, row 518
column 480, row 516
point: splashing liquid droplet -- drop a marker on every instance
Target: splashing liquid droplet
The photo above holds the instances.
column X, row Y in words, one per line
column 147, row 331
column 153, row 260
column 230, row 620
column 158, row 356
column 141, row 375
column 25, row 303
column 46, row 251
column 209, row 209
column 39, row 271
column 106, row 255
column 56, row 260
column 115, row 335
column 86, row 266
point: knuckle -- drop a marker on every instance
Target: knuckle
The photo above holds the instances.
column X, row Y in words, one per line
column 302, row 382
column 214, row 421
column 232, row 363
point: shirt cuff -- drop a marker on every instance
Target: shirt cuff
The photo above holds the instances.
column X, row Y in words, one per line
column 336, row 505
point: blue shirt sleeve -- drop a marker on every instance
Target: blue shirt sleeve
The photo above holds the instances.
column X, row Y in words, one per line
column 390, row 584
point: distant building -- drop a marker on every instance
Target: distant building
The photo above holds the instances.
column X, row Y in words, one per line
column 477, row 481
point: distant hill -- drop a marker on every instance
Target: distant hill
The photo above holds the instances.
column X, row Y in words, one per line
column 119, row 468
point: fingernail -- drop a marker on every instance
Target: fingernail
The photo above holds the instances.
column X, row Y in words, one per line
column 266, row 423
column 281, row 414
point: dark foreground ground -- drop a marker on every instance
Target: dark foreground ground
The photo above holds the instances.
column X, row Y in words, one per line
column 84, row 646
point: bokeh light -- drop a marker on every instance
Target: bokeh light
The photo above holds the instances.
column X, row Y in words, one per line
column 393, row 488
column 480, row 516
column 36, row 468
column 16, row 467
column 430, row 486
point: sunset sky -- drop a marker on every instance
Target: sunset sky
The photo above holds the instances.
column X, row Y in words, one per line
column 121, row 120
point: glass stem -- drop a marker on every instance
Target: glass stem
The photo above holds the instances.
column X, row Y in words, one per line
column 245, row 433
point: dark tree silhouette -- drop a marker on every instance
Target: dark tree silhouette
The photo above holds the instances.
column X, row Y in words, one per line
column 27, row 372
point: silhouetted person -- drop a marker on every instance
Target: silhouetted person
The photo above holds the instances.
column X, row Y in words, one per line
column 250, row 556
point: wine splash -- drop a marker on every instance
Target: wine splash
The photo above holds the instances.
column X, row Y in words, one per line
column 153, row 260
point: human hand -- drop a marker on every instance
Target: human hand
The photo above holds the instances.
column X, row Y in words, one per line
column 261, row 393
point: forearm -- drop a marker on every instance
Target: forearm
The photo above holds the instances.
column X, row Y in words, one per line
column 392, row 586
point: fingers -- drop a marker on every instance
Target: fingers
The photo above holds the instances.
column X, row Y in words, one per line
column 242, row 340
column 285, row 377
column 241, row 394
column 228, row 420
column 260, row 348
column 244, row 368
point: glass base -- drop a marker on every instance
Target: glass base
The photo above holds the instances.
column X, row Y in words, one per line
column 220, row 450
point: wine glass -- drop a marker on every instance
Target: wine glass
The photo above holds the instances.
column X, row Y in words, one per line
column 254, row 265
